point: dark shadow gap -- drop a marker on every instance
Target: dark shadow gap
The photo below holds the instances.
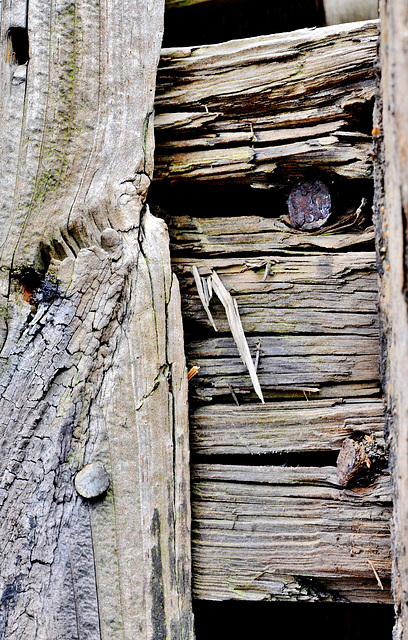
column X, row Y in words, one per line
column 310, row 621
column 19, row 45
column 221, row 20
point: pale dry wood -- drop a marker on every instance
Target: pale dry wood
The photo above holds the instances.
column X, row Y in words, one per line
column 255, row 110
column 391, row 216
column 303, row 426
column 315, row 293
column 337, row 11
column 92, row 367
column 288, row 533
column 234, row 322
column 254, row 234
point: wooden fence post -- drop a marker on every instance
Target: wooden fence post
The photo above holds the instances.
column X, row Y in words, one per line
column 94, row 521
column 392, row 221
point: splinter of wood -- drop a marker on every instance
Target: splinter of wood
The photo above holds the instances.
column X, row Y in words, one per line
column 203, row 296
column 234, row 321
column 234, row 395
column 192, row 372
column 351, row 461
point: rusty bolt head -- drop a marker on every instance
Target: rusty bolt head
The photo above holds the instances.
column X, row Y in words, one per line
column 309, row 205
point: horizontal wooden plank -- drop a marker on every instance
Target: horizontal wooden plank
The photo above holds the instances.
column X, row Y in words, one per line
column 218, row 375
column 253, row 234
column 304, row 426
column 257, row 109
column 286, row 346
column 318, row 293
column 226, row 77
column 258, row 532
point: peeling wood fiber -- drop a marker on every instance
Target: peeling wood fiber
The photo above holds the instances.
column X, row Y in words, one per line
column 308, row 303
column 91, row 364
column 254, row 110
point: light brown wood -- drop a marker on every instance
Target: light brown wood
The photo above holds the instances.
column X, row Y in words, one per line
column 259, row 109
column 256, row 234
column 315, row 425
column 92, row 367
column 391, row 123
column 288, row 533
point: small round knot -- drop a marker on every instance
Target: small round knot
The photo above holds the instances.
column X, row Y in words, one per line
column 111, row 242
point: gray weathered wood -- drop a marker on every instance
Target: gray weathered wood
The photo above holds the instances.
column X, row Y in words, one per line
column 255, row 234
column 337, row 11
column 316, row 425
column 391, row 214
column 259, row 109
column 91, row 364
column 288, row 533
column 317, row 293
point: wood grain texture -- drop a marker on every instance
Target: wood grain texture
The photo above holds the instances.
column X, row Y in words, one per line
column 315, row 425
column 92, row 365
column 391, row 217
column 316, row 293
column 259, row 109
column 288, row 533
column 254, row 234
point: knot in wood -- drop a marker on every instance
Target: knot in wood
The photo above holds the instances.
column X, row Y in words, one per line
column 112, row 243
column 92, row 481
column 309, row 205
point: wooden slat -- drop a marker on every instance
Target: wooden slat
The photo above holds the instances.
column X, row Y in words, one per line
column 318, row 293
column 253, row 234
column 257, row 109
column 288, row 533
column 305, row 426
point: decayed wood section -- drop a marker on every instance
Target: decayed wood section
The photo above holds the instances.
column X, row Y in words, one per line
column 92, row 366
column 314, row 318
column 308, row 304
column 256, row 234
column 288, row 533
column 392, row 240
column 259, row 109
column 310, row 318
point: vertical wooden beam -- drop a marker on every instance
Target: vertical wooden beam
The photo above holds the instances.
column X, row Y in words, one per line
column 392, row 246
column 94, row 497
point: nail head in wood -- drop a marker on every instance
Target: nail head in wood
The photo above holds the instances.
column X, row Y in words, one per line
column 309, row 205
column 92, row 481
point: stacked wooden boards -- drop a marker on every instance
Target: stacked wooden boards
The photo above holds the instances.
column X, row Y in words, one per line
column 262, row 109
column 269, row 518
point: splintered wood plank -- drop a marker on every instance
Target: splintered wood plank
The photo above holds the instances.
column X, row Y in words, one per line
column 288, row 533
column 315, row 293
column 246, row 109
column 218, row 375
column 303, row 426
column 253, row 234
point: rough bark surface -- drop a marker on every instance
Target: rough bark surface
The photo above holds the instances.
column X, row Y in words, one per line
column 391, row 214
column 92, row 364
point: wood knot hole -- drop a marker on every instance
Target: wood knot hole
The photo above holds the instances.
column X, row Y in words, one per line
column 18, row 47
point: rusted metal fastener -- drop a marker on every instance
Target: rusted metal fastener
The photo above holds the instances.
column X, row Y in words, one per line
column 309, row 205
